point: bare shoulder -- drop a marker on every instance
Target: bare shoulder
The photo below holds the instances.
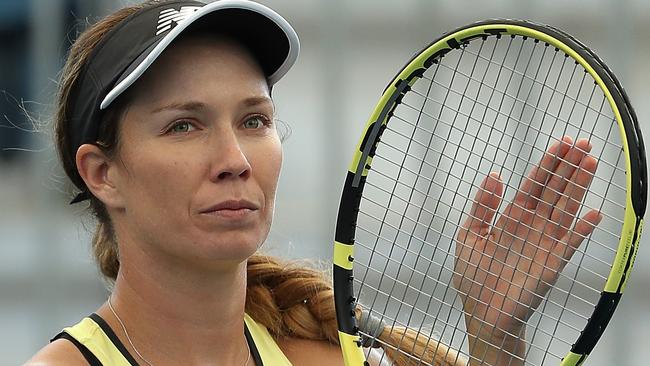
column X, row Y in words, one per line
column 310, row 352
column 59, row 352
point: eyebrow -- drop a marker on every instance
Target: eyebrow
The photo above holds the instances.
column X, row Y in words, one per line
column 253, row 101
column 184, row 106
column 196, row 106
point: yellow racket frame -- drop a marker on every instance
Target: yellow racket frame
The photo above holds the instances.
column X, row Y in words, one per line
column 633, row 223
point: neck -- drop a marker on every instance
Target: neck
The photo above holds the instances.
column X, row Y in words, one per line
column 180, row 316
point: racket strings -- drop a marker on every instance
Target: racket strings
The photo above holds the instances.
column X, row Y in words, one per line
column 418, row 290
column 409, row 319
column 392, row 287
column 504, row 93
column 424, row 273
column 415, row 189
column 551, row 89
column 378, row 219
column 590, row 97
column 565, row 306
column 526, row 104
column 421, row 165
column 601, row 140
column 407, row 278
column 523, row 74
column 373, row 306
column 430, row 213
column 512, row 108
column 487, row 144
column 437, row 316
column 395, row 323
column 443, row 235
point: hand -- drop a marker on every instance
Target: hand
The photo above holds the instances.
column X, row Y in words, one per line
column 503, row 271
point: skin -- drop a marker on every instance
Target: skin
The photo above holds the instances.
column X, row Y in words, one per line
column 201, row 135
column 504, row 270
column 198, row 132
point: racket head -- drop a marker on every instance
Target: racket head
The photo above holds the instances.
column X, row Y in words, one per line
column 627, row 221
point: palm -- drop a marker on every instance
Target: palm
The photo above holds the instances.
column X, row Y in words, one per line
column 503, row 271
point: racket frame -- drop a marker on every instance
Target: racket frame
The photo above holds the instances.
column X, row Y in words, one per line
column 636, row 177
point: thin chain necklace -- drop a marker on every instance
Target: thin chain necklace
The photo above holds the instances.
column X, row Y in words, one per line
column 128, row 338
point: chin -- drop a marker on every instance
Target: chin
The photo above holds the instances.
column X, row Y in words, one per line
column 235, row 247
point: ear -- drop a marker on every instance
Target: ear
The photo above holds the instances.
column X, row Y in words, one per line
column 100, row 175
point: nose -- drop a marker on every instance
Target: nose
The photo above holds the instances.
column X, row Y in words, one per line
column 229, row 158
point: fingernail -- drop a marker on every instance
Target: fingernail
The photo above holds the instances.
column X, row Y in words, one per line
column 588, row 147
column 554, row 147
column 567, row 139
column 495, row 175
column 597, row 221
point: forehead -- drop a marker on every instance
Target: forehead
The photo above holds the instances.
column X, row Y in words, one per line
column 197, row 64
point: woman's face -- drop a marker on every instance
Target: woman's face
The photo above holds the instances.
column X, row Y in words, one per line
column 199, row 155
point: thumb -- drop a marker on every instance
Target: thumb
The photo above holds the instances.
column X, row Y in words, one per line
column 486, row 202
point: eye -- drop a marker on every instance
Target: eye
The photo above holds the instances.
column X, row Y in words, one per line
column 182, row 126
column 257, row 121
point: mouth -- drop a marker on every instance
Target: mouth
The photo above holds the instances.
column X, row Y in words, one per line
column 230, row 207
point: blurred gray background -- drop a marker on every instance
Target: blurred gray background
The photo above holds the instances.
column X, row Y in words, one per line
column 350, row 51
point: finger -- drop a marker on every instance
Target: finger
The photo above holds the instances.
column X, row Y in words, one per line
column 531, row 188
column 565, row 247
column 567, row 206
column 486, row 202
column 560, row 177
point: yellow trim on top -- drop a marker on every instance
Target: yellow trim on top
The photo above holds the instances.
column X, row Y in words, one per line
column 269, row 350
column 91, row 335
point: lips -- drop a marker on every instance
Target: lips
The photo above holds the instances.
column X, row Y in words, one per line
column 231, row 205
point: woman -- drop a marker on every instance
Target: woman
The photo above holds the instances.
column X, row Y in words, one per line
column 165, row 123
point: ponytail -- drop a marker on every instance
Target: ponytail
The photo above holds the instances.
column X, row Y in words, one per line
column 290, row 300
column 105, row 250
column 298, row 301
column 405, row 346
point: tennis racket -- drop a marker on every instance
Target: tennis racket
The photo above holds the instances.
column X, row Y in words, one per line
column 492, row 210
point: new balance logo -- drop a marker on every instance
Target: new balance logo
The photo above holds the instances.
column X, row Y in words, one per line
column 169, row 18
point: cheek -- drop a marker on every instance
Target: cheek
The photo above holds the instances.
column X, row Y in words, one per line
column 273, row 164
column 160, row 178
column 265, row 158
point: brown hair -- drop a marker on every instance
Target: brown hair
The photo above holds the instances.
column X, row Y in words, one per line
column 289, row 299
